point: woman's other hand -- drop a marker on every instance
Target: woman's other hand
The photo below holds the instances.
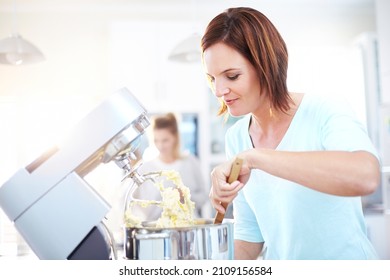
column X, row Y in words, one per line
column 221, row 190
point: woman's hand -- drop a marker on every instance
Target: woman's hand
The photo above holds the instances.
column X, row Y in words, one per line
column 221, row 190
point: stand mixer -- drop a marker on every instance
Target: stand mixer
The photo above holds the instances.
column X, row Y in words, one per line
column 54, row 209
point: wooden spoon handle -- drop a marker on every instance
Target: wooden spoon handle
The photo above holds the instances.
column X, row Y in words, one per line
column 234, row 173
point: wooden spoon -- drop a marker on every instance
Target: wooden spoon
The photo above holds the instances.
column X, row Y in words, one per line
column 234, row 172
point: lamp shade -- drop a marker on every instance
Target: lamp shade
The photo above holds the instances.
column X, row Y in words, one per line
column 187, row 50
column 15, row 50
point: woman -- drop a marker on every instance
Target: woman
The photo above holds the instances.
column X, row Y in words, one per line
column 306, row 159
column 167, row 141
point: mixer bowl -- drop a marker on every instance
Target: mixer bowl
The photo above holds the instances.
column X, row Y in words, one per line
column 202, row 241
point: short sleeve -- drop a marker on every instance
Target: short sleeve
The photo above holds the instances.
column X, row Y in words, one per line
column 341, row 130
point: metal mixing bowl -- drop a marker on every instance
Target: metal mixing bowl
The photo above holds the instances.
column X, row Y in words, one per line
column 202, row 241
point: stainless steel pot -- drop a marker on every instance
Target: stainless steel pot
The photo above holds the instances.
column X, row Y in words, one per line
column 205, row 240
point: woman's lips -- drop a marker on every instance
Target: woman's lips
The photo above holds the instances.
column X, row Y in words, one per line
column 229, row 102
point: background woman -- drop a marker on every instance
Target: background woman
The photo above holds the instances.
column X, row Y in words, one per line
column 166, row 139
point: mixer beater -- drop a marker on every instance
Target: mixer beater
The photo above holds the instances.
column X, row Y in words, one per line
column 175, row 203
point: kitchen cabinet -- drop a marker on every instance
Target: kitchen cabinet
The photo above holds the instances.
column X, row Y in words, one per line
column 383, row 30
column 381, row 224
column 378, row 221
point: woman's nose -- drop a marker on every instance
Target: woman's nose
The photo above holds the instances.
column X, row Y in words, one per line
column 221, row 89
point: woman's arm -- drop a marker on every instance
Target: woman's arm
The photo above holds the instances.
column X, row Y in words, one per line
column 244, row 250
column 332, row 172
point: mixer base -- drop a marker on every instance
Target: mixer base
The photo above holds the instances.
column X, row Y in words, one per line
column 93, row 247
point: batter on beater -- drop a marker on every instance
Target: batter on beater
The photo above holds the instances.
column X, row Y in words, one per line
column 177, row 206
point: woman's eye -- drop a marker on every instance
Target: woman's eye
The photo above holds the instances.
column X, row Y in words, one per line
column 233, row 77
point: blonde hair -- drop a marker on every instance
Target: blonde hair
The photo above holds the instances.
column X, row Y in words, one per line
column 169, row 122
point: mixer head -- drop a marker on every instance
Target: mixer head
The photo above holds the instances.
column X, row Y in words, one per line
column 123, row 146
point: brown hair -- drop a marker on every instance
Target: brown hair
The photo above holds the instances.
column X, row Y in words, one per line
column 254, row 36
column 169, row 122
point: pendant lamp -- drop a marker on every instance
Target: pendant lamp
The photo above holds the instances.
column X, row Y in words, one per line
column 187, row 50
column 15, row 50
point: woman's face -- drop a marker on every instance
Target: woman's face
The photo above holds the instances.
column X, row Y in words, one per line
column 233, row 79
column 164, row 141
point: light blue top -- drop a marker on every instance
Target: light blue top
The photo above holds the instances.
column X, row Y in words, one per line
column 296, row 222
